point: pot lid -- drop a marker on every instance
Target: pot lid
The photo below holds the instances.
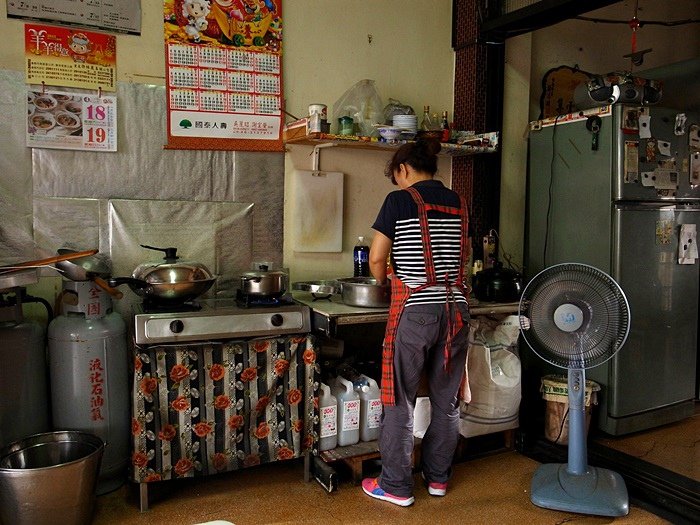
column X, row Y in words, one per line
column 171, row 270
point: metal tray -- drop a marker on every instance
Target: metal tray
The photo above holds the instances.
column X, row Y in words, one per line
column 317, row 287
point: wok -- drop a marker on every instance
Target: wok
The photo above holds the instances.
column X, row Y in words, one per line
column 89, row 268
column 170, row 281
column 165, row 292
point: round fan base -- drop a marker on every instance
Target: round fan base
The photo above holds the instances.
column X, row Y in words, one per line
column 598, row 491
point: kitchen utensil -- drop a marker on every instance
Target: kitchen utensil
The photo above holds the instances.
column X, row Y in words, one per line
column 88, row 268
column 364, row 291
column 390, row 133
column 317, row 225
column 497, row 284
column 172, row 281
column 318, row 287
column 264, row 283
column 46, row 262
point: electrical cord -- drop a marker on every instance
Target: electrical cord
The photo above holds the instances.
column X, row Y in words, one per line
column 549, row 202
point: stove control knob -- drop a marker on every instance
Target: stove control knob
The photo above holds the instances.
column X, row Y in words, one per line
column 277, row 320
column 177, row 326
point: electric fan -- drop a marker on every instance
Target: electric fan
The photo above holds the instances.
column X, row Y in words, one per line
column 575, row 316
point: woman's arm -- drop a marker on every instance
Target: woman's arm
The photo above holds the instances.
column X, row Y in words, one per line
column 378, row 253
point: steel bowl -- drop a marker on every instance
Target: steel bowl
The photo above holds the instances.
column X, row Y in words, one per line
column 365, row 292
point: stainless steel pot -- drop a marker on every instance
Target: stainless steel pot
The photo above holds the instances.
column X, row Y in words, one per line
column 172, row 281
column 264, row 283
column 365, row 292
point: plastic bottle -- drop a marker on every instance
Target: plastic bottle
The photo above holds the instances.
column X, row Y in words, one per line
column 328, row 409
column 370, row 408
column 361, row 258
column 348, row 412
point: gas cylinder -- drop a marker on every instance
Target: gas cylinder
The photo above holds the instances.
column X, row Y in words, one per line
column 24, row 401
column 370, row 408
column 89, row 375
column 348, row 411
column 328, row 409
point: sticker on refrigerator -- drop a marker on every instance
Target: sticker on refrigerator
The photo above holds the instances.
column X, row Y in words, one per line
column 679, row 128
column 651, row 150
column 664, row 232
column 695, row 168
column 631, row 161
column 630, row 120
column 694, row 136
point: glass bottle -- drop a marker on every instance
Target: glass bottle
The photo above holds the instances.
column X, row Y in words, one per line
column 427, row 123
column 445, row 125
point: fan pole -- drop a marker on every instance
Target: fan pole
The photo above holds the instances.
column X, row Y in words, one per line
column 578, row 450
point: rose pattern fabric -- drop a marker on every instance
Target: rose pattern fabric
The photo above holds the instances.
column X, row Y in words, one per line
column 205, row 408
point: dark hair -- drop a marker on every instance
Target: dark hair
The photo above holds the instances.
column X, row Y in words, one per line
column 421, row 155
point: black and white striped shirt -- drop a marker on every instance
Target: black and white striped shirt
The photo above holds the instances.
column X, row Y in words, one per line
column 398, row 220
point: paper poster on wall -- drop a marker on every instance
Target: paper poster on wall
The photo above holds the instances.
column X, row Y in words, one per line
column 58, row 56
column 224, row 74
column 78, row 121
column 123, row 16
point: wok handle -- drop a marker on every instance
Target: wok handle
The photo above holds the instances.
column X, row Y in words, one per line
column 118, row 281
column 99, row 281
column 52, row 260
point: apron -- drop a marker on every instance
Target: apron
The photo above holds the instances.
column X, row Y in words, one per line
column 400, row 292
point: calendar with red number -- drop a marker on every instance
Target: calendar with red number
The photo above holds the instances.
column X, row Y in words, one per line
column 64, row 120
column 224, row 74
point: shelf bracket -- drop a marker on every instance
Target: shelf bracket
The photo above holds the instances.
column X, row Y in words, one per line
column 316, row 154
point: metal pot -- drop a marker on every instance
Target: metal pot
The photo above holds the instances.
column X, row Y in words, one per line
column 365, row 292
column 264, row 283
column 172, row 281
column 498, row 284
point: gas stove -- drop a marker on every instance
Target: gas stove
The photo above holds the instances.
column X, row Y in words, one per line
column 217, row 319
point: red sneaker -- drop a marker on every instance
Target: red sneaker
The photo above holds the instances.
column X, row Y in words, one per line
column 435, row 488
column 372, row 489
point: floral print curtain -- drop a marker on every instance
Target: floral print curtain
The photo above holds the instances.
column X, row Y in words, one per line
column 204, row 408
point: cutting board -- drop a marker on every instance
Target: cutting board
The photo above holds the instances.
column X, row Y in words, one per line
column 317, row 213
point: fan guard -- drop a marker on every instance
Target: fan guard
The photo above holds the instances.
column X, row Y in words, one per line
column 578, row 315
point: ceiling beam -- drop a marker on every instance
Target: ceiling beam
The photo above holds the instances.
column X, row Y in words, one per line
column 538, row 15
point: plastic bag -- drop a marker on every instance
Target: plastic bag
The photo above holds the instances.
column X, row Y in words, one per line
column 395, row 107
column 363, row 103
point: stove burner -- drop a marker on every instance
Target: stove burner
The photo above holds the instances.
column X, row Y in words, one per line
column 160, row 308
column 245, row 300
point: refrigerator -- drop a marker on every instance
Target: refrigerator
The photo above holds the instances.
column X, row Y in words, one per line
column 618, row 188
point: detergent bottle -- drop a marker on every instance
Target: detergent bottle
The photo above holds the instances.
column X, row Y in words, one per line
column 370, row 408
column 348, row 412
column 328, row 409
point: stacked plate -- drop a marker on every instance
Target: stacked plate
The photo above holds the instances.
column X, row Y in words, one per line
column 409, row 125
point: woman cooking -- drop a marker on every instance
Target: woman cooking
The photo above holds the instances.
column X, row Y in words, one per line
column 424, row 227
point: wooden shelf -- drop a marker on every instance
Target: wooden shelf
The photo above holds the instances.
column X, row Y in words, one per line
column 482, row 143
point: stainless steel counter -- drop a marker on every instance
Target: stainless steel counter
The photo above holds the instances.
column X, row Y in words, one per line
column 330, row 312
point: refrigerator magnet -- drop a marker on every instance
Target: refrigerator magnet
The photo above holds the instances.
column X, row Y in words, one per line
column 679, row 127
column 630, row 120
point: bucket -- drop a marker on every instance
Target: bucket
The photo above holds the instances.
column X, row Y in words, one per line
column 50, row 478
column 555, row 391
